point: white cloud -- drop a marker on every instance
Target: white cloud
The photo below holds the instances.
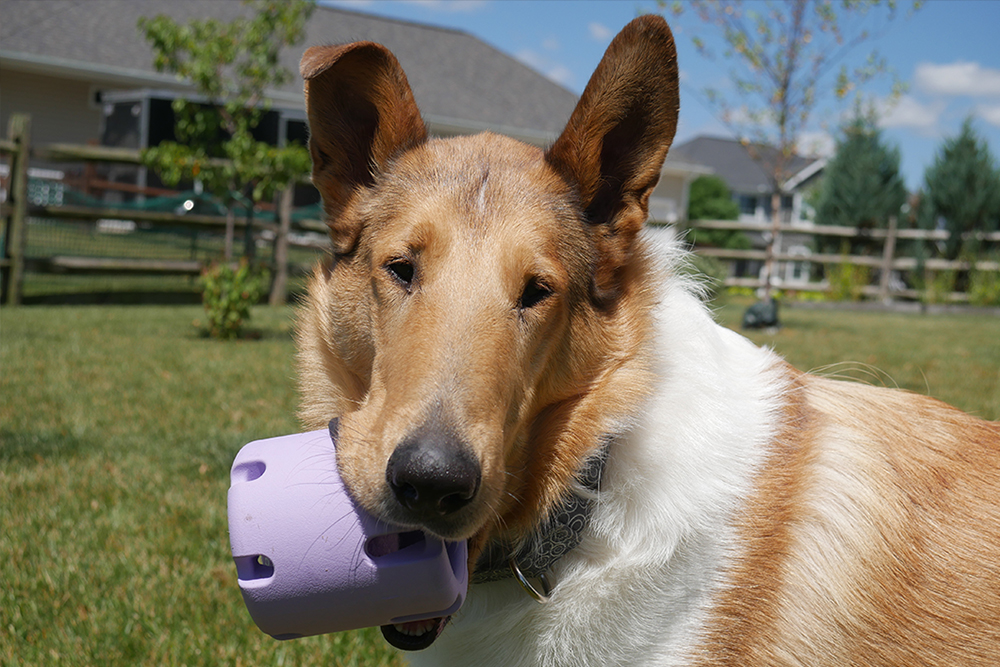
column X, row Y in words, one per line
column 820, row 144
column 599, row 31
column 451, row 5
column 991, row 114
column 910, row 112
column 350, row 4
column 549, row 68
column 959, row 78
column 561, row 75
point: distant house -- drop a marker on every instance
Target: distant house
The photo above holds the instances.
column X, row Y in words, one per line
column 751, row 188
column 747, row 179
column 77, row 65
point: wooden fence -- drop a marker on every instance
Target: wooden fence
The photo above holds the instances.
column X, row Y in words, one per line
column 16, row 211
column 885, row 263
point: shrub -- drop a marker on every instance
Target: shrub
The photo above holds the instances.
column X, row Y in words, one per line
column 228, row 291
column 710, row 199
column 938, row 286
column 847, row 281
column 984, row 287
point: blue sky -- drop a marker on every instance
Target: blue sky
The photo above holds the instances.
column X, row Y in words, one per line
column 948, row 53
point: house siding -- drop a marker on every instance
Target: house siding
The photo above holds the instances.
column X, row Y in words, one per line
column 61, row 109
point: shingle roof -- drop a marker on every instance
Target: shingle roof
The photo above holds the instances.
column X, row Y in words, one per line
column 733, row 162
column 454, row 75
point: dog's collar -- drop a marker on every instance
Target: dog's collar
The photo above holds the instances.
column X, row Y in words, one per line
column 559, row 534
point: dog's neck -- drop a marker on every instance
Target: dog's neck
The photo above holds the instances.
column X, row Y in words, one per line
column 559, row 534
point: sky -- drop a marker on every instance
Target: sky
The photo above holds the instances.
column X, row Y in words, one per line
column 947, row 53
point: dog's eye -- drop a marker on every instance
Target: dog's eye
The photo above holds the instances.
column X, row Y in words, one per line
column 534, row 293
column 402, row 270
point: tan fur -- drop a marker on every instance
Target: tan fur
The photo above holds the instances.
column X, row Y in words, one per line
column 382, row 362
column 872, row 533
column 873, row 537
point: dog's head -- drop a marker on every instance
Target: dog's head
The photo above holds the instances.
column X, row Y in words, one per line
column 482, row 321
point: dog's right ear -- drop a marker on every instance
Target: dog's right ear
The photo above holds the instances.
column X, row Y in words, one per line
column 361, row 114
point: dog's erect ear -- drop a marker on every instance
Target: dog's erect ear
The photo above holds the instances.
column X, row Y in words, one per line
column 614, row 143
column 361, row 114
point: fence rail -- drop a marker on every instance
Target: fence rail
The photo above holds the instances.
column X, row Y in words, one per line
column 17, row 210
column 284, row 233
column 886, row 263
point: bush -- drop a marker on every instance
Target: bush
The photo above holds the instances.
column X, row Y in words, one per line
column 938, row 286
column 710, row 199
column 984, row 288
column 228, row 291
column 847, row 281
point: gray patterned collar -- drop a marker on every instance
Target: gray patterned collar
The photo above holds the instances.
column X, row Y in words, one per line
column 559, row 534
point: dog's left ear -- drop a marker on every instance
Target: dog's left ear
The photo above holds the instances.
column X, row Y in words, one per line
column 614, row 143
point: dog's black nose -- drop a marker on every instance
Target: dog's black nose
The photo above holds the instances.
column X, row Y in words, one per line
column 433, row 475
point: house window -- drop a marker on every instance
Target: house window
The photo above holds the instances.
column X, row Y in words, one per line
column 748, row 204
column 798, row 271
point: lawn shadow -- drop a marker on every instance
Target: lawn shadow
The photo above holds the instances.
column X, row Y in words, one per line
column 21, row 446
column 113, row 299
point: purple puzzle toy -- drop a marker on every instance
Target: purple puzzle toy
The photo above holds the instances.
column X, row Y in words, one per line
column 310, row 561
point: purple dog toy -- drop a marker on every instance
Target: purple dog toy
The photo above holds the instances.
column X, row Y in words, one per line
column 311, row 561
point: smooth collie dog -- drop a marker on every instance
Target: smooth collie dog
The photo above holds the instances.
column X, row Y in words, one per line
column 510, row 362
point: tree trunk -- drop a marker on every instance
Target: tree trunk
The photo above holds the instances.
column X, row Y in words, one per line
column 230, row 229
column 280, row 284
column 773, row 246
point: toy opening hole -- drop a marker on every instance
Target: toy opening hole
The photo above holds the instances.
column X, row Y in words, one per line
column 247, row 471
column 456, row 557
column 383, row 545
column 249, row 568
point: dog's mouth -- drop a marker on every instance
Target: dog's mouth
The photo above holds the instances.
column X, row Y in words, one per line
column 415, row 635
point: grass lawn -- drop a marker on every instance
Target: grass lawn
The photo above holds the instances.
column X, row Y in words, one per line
column 117, row 429
column 955, row 358
column 118, row 425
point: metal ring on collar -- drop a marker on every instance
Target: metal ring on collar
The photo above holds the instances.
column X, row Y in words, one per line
column 540, row 597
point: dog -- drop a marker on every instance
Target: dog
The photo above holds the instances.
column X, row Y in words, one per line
column 512, row 363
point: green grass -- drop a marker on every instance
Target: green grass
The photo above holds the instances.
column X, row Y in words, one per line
column 118, row 425
column 955, row 358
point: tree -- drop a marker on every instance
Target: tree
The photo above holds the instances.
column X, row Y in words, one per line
column 862, row 186
column 231, row 66
column 710, row 199
column 962, row 191
column 783, row 60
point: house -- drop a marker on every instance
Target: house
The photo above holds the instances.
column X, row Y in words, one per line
column 74, row 65
column 751, row 188
column 748, row 180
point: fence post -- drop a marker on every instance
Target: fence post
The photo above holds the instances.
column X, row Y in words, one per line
column 280, row 284
column 888, row 254
column 19, row 132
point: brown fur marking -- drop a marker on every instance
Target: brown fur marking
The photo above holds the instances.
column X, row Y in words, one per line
column 871, row 539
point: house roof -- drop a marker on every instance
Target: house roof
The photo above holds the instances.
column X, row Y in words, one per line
column 733, row 162
column 458, row 80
